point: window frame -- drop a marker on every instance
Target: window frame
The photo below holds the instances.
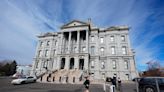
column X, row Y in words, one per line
column 112, row 38
column 48, row 43
column 123, row 38
column 114, row 66
column 113, row 50
column 101, row 39
column 124, row 52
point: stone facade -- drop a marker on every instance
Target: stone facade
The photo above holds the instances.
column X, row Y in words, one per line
column 78, row 45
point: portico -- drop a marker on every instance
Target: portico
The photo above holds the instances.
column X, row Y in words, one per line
column 77, row 62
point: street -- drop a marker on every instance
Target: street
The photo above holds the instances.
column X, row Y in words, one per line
column 6, row 86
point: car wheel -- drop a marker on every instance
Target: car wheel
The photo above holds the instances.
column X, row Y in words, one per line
column 149, row 89
column 34, row 80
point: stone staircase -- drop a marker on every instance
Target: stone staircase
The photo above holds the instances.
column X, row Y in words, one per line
column 62, row 76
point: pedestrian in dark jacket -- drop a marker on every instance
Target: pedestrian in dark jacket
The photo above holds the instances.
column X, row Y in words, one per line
column 86, row 84
column 114, row 81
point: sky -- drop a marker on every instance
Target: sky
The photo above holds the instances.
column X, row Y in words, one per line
column 22, row 20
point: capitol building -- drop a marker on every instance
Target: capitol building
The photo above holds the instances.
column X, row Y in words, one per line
column 80, row 49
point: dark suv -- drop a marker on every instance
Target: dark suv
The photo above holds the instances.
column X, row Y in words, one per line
column 148, row 84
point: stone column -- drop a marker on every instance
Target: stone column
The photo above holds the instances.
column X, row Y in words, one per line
column 86, row 63
column 87, row 31
column 67, row 60
column 69, row 43
column 78, row 38
column 76, row 62
column 58, row 63
column 54, row 64
column 61, row 45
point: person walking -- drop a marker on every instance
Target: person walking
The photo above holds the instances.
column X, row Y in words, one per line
column 86, row 84
column 119, row 84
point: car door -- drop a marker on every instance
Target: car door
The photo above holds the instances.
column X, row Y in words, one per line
column 161, row 84
column 30, row 79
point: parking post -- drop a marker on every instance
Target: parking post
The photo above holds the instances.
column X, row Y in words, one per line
column 136, row 82
column 104, row 87
column 157, row 86
column 112, row 88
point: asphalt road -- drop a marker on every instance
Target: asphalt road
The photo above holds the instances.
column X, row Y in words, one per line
column 6, row 86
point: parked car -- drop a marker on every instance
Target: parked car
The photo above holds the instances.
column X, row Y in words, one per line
column 24, row 80
column 149, row 84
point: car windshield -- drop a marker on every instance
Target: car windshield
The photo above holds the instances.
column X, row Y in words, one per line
column 22, row 77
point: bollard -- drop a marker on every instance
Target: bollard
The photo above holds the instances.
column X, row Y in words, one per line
column 104, row 87
column 136, row 82
column 112, row 88
column 157, row 86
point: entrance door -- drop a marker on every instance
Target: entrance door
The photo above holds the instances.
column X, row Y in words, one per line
column 62, row 63
column 127, row 76
column 81, row 64
column 71, row 63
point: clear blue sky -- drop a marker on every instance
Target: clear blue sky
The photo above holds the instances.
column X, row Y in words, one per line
column 22, row 20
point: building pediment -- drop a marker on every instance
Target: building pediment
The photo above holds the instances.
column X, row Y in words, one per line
column 74, row 23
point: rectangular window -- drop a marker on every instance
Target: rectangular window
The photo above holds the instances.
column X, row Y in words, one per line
column 122, row 38
column 127, row 76
column 41, row 44
column 112, row 38
column 54, row 52
column 124, row 50
column 39, row 53
column 83, row 49
column 114, row 64
column 92, row 64
column 126, row 64
column 75, row 49
column 92, row 50
column 113, row 50
column 46, row 53
column 36, row 64
column 45, row 64
column 102, row 65
column 102, row 40
column 102, row 50
column 55, row 43
column 48, row 43
column 92, row 38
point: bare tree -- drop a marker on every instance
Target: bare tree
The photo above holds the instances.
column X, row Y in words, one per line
column 153, row 69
